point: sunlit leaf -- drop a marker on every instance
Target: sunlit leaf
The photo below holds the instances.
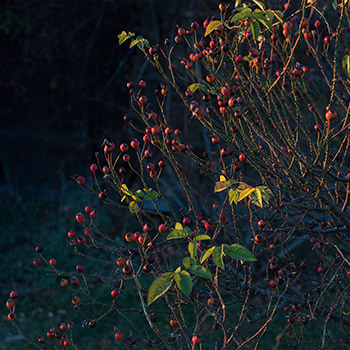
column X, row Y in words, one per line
column 196, row 86
column 123, row 36
column 206, row 254
column 278, row 15
column 133, row 207
column 238, row 252
column 192, row 249
column 256, row 198
column 346, row 65
column 223, row 185
column 245, row 193
column 189, row 262
column 201, row 238
column 159, row 287
column 212, row 26
column 218, row 254
column 184, row 282
column 261, row 17
column 260, row 4
column 245, row 13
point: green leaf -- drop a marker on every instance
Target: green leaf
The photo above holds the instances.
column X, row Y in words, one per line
column 140, row 42
column 222, row 185
column 245, row 13
column 151, row 195
column 261, row 17
column 192, row 249
column 201, row 271
column 218, row 254
column 260, row 4
column 196, row 86
column 238, row 252
column 123, row 36
column 206, row 254
column 266, row 193
column 139, row 193
column 346, row 65
column 256, row 198
column 177, row 270
column 278, row 15
column 184, row 282
column 255, row 28
column 133, row 207
column 189, row 262
column 212, row 26
column 159, row 287
column 201, row 238
column 179, row 232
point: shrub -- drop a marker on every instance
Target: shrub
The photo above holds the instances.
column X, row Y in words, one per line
column 241, row 205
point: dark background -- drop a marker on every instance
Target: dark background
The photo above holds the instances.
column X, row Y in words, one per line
column 62, row 92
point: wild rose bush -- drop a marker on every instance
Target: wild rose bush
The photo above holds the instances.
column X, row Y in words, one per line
column 240, row 205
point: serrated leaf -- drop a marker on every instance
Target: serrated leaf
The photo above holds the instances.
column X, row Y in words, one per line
column 201, row 271
column 184, row 282
column 245, row 13
column 346, row 65
column 192, row 249
column 206, row 254
column 218, row 254
column 238, row 252
column 201, row 238
column 255, row 28
column 123, row 36
column 159, row 287
column 133, row 207
column 189, row 262
column 196, row 86
column 223, row 185
column 212, row 26
column 260, row 4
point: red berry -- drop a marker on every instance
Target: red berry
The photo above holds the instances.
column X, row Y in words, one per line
column 36, row 262
column 80, row 180
column 286, row 308
column 88, row 210
column 259, row 238
column 114, row 293
column 242, row 157
column 11, row 316
column 52, row 262
column 130, row 85
column 76, row 300
column 143, row 99
column 124, row 147
column 142, row 84
column 320, row 269
column 261, row 223
column 129, row 237
column 313, row 240
column 64, row 282
column 181, row 31
column 93, row 167
column 81, row 240
column 239, row 59
column 273, row 284
column 331, row 114
column 79, row 268
column 196, row 340
column 94, row 214
column 211, row 301
column 162, row 228
column 317, row 24
column 10, row 303
column 208, row 226
column 66, row 343
column 118, row 335
column 135, row 143
column 186, row 221
column 173, row 323
column 121, row 261
column 80, row 218
column 126, row 158
column 225, row 91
